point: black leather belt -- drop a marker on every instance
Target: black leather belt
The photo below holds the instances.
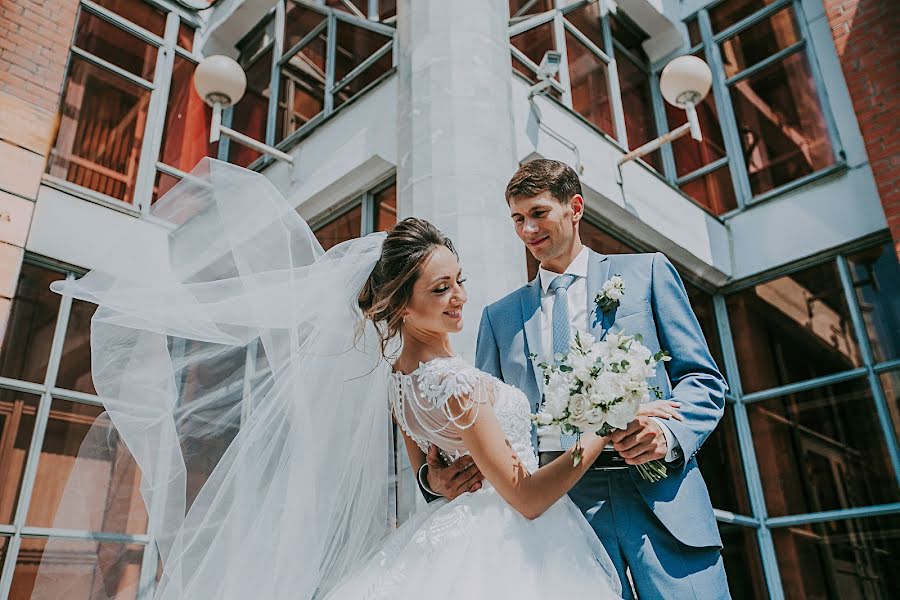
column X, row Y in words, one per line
column 609, row 460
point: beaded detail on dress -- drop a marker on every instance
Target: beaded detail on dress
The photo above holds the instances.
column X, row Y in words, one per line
column 419, row 401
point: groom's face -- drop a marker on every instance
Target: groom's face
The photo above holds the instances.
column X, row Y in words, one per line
column 548, row 227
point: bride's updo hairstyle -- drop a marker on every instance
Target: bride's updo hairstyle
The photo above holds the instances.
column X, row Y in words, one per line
column 390, row 286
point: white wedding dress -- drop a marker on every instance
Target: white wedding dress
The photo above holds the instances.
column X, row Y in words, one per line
column 478, row 546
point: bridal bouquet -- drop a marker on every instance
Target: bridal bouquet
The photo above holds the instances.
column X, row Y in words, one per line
column 598, row 386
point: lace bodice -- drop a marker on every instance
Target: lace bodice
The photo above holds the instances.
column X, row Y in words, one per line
column 419, row 401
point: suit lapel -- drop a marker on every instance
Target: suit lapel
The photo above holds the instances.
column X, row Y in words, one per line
column 530, row 299
column 598, row 272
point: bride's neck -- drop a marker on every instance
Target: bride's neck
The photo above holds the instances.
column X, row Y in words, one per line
column 420, row 346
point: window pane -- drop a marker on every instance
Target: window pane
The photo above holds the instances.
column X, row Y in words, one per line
column 793, row 328
column 299, row 21
column 586, row 19
column 345, row 227
column 702, row 305
column 760, row 41
column 534, row 43
column 628, row 34
column 354, row 7
column 302, row 89
column 17, row 412
column 780, row 122
column 354, row 46
column 876, row 278
column 29, row 333
column 185, row 36
column 743, row 567
column 637, row 104
column 162, row 185
column 730, row 12
column 250, row 114
column 890, row 385
column 822, row 449
column 520, row 8
column 590, row 87
column 102, row 118
column 840, row 560
column 110, row 498
column 722, row 467
column 386, row 208
column 104, row 40
column 75, row 363
column 690, row 155
column 694, row 36
column 387, row 9
column 138, row 12
column 713, row 190
column 83, row 569
column 186, row 131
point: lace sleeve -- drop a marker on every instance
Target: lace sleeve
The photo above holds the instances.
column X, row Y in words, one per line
column 424, row 408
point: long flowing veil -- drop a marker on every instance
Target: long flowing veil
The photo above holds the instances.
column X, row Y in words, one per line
column 243, row 382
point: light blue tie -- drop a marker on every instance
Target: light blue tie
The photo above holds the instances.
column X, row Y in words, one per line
column 561, row 330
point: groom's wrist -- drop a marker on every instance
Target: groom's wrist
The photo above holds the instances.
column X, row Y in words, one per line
column 422, row 476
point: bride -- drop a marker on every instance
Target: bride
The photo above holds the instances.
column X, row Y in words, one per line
column 246, row 374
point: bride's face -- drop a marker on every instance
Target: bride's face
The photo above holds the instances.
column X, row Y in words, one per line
column 438, row 295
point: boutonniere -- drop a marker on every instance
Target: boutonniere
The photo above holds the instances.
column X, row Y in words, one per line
column 610, row 294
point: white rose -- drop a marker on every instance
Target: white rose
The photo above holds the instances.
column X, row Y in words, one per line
column 544, row 418
column 622, row 413
column 578, row 408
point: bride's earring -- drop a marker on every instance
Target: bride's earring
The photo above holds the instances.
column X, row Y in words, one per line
column 404, row 319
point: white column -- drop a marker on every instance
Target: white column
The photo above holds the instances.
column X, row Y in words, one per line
column 455, row 151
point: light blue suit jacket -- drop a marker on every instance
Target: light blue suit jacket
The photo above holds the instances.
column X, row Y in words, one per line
column 656, row 306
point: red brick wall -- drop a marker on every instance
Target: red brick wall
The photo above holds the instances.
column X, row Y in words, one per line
column 34, row 43
column 865, row 34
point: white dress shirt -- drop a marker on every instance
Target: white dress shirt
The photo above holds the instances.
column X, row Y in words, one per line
column 548, row 436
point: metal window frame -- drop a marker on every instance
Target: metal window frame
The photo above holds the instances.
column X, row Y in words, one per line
column 869, row 371
column 710, row 43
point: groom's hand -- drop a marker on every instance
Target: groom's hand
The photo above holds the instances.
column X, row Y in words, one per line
column 642, row 441
column 454, row 479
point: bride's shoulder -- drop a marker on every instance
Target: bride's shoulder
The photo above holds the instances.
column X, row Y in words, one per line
column 443, row 378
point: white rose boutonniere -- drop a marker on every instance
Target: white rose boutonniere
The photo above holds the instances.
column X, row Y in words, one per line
column 610, row 294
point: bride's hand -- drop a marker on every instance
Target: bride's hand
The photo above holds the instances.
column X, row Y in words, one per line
column 664, row 409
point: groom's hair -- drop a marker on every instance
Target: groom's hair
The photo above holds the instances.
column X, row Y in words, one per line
column 544, row 175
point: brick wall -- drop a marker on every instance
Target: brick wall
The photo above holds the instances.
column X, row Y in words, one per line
column 34, row 44
column 865, row 33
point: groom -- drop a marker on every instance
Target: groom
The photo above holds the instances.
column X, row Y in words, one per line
column 664, row 533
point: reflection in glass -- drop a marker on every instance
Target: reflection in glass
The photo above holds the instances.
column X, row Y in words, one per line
column 822, row 449
column 386, row 208
column 186, row 131
column 780, row 123
column 302, row 88
column 75, row 363
column 343, row 228
column 356, row 44
column 743, row 566
column 101, row 130
column 250, row 114
column 88, row 568
column 713, row 190
column 590, row 85
column 534, row 43
column 704, row 310
column 876, row 279
column 793, row 328
column 890, row 385
column 140, row 13
column 851, row 559
column 722, row 468
column 26, row 344
column 758, row 42
column 114, row 45
column 17, row 414
column 299, row 21
column 725, row 14
column 108, row 490
column 637, row 105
